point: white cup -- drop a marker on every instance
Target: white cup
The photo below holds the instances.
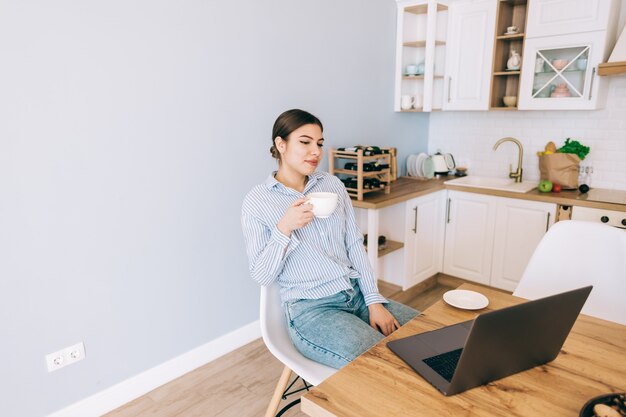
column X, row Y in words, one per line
column 406, row 102
column 323, row 203
column 512, row 29
column 417, row 101
column 411, row 69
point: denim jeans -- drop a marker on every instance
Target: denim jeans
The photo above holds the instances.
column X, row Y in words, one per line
column 334, row 330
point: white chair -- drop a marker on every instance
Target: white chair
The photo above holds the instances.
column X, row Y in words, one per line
column 573, row 254
column 276, row 338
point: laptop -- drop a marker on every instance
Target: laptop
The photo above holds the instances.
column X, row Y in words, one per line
column 494, row 345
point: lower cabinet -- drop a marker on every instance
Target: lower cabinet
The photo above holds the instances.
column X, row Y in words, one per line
column 424, row 234
column 490, row 239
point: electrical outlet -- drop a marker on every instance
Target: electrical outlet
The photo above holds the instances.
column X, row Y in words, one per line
column 64, row 357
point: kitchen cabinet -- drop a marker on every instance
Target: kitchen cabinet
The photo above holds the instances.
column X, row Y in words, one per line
column 469, row 55
column 469, row 236
column 420, row 42
column 519, row 227
column 490, row 239
column 424, row 238
column 561, row 17
column 566, row 40
column 559, row 72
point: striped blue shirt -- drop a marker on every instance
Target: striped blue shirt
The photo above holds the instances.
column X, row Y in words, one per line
column 318, row 259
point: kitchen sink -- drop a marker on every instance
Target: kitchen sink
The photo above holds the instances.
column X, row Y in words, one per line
column 493, row 183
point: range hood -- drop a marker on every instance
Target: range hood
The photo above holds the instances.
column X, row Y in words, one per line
column 617, row 61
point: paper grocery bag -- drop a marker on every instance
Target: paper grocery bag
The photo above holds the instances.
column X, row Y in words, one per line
column 560, row 168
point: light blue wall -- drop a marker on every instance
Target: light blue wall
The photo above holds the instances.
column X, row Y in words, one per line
column 130, row 130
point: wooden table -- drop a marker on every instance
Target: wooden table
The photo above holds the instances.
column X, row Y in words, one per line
column 379, row 384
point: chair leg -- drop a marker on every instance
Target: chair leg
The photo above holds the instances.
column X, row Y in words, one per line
column 278, row 392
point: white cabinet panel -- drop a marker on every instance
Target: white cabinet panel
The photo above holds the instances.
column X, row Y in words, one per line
column 469, row 236
column 423, row 244
column 560, row 17
column 469, row 55
column 520, row 225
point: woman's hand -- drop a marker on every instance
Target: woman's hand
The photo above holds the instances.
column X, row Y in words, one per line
column 382, row 320
column 298, row 215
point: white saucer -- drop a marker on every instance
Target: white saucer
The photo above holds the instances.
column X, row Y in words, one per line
column 465, row 299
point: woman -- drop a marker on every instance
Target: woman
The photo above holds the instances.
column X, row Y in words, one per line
column 333, row 308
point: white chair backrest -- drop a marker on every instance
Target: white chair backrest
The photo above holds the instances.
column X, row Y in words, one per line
column 276, row 338
column 577, row 253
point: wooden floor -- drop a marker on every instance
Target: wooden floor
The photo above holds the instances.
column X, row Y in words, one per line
column 241, row 383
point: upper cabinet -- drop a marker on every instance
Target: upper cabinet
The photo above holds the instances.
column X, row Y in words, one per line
column 566, row 41
column 420, row 55
column 468, row 57
column 562, row 17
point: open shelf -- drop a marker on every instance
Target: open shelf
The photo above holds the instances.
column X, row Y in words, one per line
column 612, row 68
column 423, row 8
column 391, row 245
column 365, row 174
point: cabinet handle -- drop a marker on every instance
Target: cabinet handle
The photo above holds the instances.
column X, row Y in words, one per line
column 548, row 222
column 448, row 210
column 593, row 76
column 415, row 220
column 449, row 87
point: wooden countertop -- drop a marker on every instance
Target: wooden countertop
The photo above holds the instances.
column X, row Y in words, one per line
column 406, row 188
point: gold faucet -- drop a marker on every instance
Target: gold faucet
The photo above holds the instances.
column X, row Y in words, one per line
column 518, row 173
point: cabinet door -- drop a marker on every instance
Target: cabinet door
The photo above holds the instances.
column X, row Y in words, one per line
column 559, row 17
column 559, row 73
column 520, row 225
column 423, row 244
column 469, row 55
column 469, row 236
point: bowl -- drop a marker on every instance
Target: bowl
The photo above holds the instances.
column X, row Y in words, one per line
column 509, row 101
column 559, row 64
column 607, row 399
column 323, row 203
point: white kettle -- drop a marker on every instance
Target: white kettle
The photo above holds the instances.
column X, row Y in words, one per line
column 443, row 163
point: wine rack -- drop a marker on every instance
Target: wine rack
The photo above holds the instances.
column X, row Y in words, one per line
column 360, row 163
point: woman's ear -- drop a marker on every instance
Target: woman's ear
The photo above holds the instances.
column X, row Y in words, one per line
column 280, row 144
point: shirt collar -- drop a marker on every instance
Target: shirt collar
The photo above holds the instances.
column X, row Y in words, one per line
column 271, row 182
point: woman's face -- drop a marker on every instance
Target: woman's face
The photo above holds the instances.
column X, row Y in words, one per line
column 302, row 151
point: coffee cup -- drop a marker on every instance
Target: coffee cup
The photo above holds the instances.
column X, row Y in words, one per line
column 417, row 101
column 324, row 204
column 406, row 102
column 411, row 69
column 512, row 30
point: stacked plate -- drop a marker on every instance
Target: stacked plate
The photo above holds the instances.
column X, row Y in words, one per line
column 420, row 165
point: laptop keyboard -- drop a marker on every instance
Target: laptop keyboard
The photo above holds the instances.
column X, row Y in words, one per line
column 444, row 364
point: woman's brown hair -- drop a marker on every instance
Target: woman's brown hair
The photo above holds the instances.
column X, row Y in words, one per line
column 289, row 121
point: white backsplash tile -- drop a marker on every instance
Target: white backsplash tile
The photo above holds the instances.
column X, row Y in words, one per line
column 470, row 137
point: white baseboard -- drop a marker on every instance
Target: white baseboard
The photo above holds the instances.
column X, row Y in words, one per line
column 138, row 385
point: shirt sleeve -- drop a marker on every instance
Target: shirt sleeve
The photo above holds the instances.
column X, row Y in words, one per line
column 358, row 256
column 267, row 249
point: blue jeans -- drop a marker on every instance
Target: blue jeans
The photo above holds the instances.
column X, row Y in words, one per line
column 334, row 330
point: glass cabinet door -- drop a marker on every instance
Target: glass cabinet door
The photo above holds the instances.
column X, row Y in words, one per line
column 560, row 72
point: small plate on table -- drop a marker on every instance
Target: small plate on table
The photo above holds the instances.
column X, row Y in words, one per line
column 466, row 299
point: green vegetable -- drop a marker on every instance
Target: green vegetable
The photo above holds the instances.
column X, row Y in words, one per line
column 575, row 147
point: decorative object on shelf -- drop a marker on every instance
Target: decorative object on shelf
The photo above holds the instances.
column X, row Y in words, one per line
column 407, row 102
column 539, row 64
column 561, row 91
column 514, row 61
column 559, row 64
column 418, row 101
column 411, row 69
column 509, row 101
column 512, row 30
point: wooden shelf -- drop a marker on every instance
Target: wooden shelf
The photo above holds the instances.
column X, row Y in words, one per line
column 612, row 68
column 423, row 8
column 510, row 37
column 415, row 44
column 392, row 245
column 365, row 174
column 354, row 155
column 418, row 110
column 502, row 108
column 412, row 77
column 501, row 73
